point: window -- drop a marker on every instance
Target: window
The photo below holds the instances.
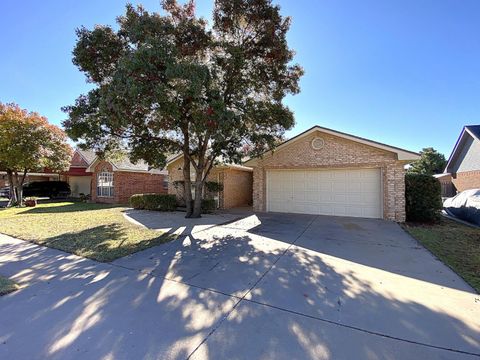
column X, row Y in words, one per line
column 165, row 183
column 105, row 184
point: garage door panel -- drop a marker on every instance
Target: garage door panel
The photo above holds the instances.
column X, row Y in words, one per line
column 341, row 192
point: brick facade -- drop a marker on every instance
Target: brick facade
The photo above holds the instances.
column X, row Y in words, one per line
column 237, row 184
column 466, row 180
column 237, row 188
column 126, row 184
column 337, row 152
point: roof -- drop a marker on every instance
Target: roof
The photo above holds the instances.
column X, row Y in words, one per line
column 88, row 155
column 173, row 158
column 126, row 165
column 222, row 164
column 474, row 130
column 438, row 176
column 468, row 130
column 401, row 153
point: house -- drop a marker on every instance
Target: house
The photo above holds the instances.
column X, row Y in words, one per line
column 327, row 172
column 112, row 181
column 447, row 188
column 236, row 181
column 463, row 166
column 79, row 179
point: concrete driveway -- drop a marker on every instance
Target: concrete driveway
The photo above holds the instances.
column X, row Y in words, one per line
column 268, row 286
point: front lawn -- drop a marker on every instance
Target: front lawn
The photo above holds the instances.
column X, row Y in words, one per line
column 7, row 286
column 95, row 231
column 457, row 245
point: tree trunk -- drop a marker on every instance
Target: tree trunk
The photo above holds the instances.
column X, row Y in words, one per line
column 197, row 205
column 13, row 195
column 187, row 185
column 18, row 189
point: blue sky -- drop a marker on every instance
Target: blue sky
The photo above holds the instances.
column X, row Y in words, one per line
column 403, row 72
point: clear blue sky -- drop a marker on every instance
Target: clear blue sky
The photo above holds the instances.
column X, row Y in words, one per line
column 403, row 72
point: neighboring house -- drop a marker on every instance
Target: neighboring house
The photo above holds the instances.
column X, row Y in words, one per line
column 447, row 188
column 236, row 181
column 112, row 181
column 77, row 176
column 326, row 172
column 115, row 182
column 464, row 163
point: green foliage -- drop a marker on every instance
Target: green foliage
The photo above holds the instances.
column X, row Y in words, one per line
column 430, row 163
column 29, row 142
column 160, row 202
column 208, row 205
column 169, row 83
column 423, row 200
column 213, row 186
column 137, row 201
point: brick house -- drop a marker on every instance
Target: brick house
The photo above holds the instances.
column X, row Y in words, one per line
column 464, row 163
column 79, row 179
column 112, row 181
column 236, row 181
column 326, row 172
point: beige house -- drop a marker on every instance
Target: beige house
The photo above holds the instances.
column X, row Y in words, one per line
column 236, row 181
column 326, row 172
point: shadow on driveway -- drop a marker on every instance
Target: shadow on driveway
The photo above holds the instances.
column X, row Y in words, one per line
column 289, row 302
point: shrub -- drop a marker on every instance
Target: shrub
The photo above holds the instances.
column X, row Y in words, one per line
column 160, row 202
column 208, row 205
column 213, row 186
column 137, row 201
column 423, row 200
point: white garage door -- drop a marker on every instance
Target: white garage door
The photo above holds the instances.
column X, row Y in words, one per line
column 343, row 192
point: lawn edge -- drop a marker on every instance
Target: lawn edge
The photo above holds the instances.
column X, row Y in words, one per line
column 404, row 225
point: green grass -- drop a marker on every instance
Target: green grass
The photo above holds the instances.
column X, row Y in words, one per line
column 457, row 245
column 95, row 231
column 7, row 286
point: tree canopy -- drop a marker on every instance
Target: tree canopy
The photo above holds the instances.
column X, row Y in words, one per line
column 172, row 83
column 28, row 142
column 431, row 162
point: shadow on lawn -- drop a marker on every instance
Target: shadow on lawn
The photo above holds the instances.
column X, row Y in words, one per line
column 103, row 243
column 64, row 207
column 81, row 308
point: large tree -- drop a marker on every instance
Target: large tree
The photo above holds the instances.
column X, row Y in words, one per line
column 171, row 83
column 29, row 143
column 431, row 162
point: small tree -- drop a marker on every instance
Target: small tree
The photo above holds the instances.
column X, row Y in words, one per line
column 29, row 143
column 431, row 162
column 169, row 83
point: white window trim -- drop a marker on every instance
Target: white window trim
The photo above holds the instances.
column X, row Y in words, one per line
column 104, row 188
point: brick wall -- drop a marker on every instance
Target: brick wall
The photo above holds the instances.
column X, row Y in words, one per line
column 466, row 180
column 237, row 184
column 127, row 184
column 237, row 188
column 337, row 152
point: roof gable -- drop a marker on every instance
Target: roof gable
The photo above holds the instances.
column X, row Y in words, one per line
column 402, row 154
column 470, row 135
